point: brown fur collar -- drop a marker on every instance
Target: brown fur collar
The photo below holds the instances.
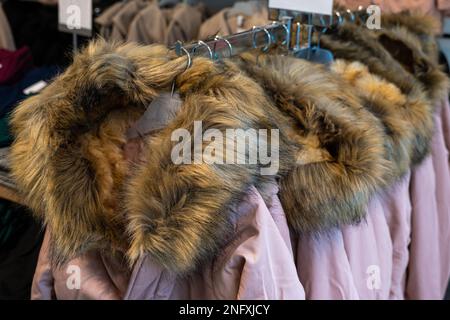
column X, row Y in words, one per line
column 341, row 160
column 425, row 27
column 68, row 153
column 68, row 157
column 354, row 43
column 407, row 48
column 394, row 54
column 396, row 111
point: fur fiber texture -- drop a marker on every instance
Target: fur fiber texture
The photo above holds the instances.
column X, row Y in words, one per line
column 423, row 26
column 68, row 158
column 405, row 67
column 341, row 162
column 395, row 110
column 407, row 48
column 394, row 54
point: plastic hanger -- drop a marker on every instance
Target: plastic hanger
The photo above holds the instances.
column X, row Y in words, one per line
column 313, row 53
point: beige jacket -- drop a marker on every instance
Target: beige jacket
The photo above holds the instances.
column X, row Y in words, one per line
column 185, row 24
column 6, row 37
column 105, row 20
column 166, row 26
column 148, row 26
column 225, row 23
column 123, row 19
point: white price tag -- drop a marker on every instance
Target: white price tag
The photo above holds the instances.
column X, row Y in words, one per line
column 35, row 88
column 311, row 6
column 75, row 16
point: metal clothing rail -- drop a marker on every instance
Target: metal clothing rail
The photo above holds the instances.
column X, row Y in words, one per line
column 224, row 47
column 279, row 32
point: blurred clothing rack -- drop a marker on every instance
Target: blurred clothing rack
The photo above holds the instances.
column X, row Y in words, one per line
column 222, row 47
column 279, row 32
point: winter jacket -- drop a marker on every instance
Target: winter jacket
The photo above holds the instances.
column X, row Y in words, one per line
column 400, row 48
column 429, row 270
column 180, row 217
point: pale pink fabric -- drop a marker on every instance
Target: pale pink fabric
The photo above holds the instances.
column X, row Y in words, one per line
column 397, row 209
column 366, row 261
column 100, row 278
column 257, row 263
column 324, row 268
column 440, row 155
column 429, row 267
column 423, row 271
column 369, row 249
column 445, row 117
column 42, row 287
column 355, row 262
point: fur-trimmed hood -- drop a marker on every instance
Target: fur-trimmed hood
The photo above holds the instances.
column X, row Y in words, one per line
column 394, row 53
column 68, row 156
column 408, row 48
column 395, row 57
column 342, row 162
column 395, row 110
column 425, row 27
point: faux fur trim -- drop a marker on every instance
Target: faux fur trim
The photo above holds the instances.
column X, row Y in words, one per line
column 395, row 110
column 425, row 27
column 68, row 153
column 332, row 188
column 68, row 157
column 353, row 43
column 395, row 54
column 416, row 22
column 181, row 214
column 407, row 48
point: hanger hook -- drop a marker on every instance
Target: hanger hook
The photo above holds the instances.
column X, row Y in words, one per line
column 325, row 25
column 310, row 34
column 323, row 29
column 202, row 43
column 286, row 29
column 189, row 62
column 269, row 37
column 340, row 18
column 360, row 15
column 188, row 65
column 180, row 49
column 230, row 47
column 352, row 15
column 298, row 36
